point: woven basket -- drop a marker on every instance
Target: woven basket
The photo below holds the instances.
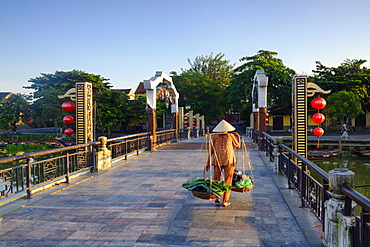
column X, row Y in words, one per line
column 242, row 190
column 204, row 195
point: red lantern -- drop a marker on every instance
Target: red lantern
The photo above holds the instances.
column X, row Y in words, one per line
column 318, row 103
column 318, row 118
column 68, row 106
column 318, row 131
column 68, row 120
column 267, row 115
column 68, row 131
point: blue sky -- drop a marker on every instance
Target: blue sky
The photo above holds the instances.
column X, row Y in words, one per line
column 126, row 41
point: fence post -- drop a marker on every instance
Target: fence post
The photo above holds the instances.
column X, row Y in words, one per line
column 277, row 140
column 338, row 227
column 104, row 161
column 248, row 131
column 28, row 179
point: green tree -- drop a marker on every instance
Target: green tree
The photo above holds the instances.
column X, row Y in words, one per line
column 14, row 110
column 111, row 109
column 204, row 95
column 204, row 85
column 136, row 109
column 47, row 87
column 351, row 76
column 344, row 106
column 279, row 81
column 216, row 68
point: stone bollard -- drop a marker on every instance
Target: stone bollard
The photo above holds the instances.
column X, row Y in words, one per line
column 338, row 227
column 104, row 161
column 277, row 140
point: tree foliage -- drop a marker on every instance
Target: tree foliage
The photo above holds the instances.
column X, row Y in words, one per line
column 350, row 76
column 47, row 87
column 111, row 108
column 136, row 109
column 14, row 110
column 279, row 81
column 203, row 86
column 204, row 95
column 344, row 105
column 216, row 68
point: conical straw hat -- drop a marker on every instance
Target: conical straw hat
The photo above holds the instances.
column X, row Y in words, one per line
column 223, row 126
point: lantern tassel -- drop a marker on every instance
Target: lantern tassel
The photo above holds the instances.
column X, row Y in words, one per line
column 318, row 142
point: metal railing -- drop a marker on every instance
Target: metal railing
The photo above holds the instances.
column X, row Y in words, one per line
column 122, row 147
column 362, row 219
column 314, row 192
column 41, row 167
column 165, row 137
column 32, row 170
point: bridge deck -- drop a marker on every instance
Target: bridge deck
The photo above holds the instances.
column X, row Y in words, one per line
column 141, row 203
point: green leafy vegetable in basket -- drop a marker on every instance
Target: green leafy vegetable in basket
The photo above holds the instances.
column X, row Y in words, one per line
column 247, row 183
column 205, row 185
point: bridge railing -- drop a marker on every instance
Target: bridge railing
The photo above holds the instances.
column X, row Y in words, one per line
column 38, row 168
column 124, row 146
column 30, row 171
column 314, row 192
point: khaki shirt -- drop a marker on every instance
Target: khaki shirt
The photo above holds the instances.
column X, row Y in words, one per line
column 222, row 149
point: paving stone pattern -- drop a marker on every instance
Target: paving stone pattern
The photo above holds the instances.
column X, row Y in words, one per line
column 142, row 203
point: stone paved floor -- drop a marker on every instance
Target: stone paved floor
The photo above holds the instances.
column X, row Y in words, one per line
column 142, row 203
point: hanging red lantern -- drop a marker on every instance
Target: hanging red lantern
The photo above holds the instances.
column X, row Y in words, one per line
column 68, row 106
column 318, row 131
column 318, row 103
column 68, row 120
column 318, row 118
column 68, row 131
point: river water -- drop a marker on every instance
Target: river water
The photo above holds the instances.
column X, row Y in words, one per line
column 359, row 165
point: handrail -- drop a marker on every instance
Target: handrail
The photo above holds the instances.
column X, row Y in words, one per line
column 268, row 137
column 45, row 152
column 357, row 197
column 323, row 174
column 128, row 137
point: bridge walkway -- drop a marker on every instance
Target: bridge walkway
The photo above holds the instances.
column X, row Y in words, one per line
column 140, row 202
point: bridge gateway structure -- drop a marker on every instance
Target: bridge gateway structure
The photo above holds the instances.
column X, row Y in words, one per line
column 160, row 87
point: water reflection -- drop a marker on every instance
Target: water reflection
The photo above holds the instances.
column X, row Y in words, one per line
column 359, row 165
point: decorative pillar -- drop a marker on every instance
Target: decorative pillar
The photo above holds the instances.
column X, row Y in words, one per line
column 278, row 139
column 262, row 125
column 190, row 128
column 202, row 124
column 104, row 161
column 152, row 127
column 338, row 227
column 175, row 124
column 197, row 123
column 299, row 123
column 84, row 123
column 181, row 118
column 259, row 98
